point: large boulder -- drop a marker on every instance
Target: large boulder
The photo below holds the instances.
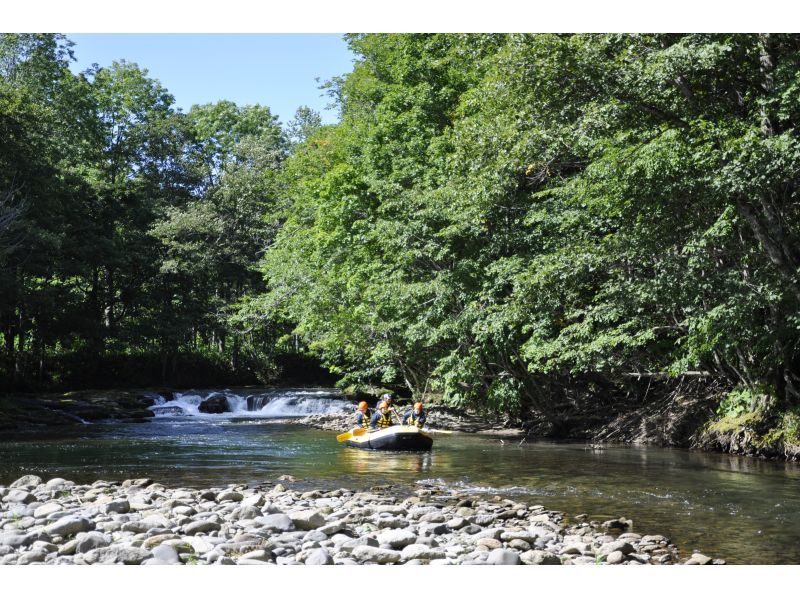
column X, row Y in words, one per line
column 215, row 403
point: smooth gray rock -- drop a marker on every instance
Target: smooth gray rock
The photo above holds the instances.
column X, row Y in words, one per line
column 620, row 545
column 501, row 556
column 376, row 555
column 128, row 555
column 89, row 541
column 422, row 552
column 315, row 536
column 166, row 554
column 56, row 484
column 319, row 556
column 32, row 556
column 699, row 559
column 16, row 540
column 276, row 522
column 19, row 495
column 615, row 558
column 539, row 557
column 47, row 509
column 397, row 538
column 307, row 519
column 116, row 506
column 26, row 481
column 69, row 525
column 229, row 495
column 198, row 527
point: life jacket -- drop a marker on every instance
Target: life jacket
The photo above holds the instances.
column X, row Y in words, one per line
column 363, row 421
column 385, row 420
column 416, row 420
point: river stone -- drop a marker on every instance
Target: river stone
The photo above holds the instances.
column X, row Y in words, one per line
column 16, row 540
column 276, row 522
column 435, row 517
column 256, row 555
column 19, row 495
column 331, row 528
column 501, row 556
column 47, row 509
column 164, row 555
column 525, row 535
column 397, row 538
column 56, row 484
column 617, row 524
column 489, row 543
column 229, row 495
column 68, row 548
column 319, row 556
column 422, row 552
column 215, row 403
column 539, row 557
column 85, row 542
column 518, row 544
column 615, row 558
column 376, row 555
column 26, row 481
column 199, row 527
column 314, row 536
column 354, row 543
column 32, row 556
column 619, row 545
column 699, row 559
column 69, row 525
column 253, row 500
column 116, row 506
column 117, row 553
column 307, row 519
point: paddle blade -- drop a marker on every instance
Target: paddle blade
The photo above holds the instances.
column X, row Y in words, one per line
column 344, row 437
column 359, row 431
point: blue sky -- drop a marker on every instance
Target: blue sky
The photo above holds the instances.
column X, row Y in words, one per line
column 276, row 70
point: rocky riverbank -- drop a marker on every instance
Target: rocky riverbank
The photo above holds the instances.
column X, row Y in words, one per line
column 142, row 522
column 37, row 410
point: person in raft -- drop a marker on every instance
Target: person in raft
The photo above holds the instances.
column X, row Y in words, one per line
column 362, row 415
column 382, row 418
column 415, row 416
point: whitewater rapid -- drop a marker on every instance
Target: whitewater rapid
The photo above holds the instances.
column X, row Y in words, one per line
column 274, row 403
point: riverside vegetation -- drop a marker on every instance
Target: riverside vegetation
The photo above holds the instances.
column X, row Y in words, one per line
column 591, row 234
column 141, row 522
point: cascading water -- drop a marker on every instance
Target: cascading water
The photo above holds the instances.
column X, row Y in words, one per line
column 270, row 403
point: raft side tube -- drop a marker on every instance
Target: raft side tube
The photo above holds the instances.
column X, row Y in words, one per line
column 393, row 438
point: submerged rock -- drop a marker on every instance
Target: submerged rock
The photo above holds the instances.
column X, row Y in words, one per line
column 215, row 403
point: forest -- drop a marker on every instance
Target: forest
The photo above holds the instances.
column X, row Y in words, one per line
column 518, row 223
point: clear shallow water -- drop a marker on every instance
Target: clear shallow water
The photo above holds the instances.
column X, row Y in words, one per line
column 741, row 509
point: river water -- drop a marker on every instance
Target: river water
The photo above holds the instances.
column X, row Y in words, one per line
column 742, row 509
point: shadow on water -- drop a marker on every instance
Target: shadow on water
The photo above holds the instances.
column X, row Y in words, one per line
column 744, row 510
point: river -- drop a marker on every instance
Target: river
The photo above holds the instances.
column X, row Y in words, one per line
column 742, row 509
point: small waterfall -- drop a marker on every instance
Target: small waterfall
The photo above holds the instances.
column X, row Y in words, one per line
column 271, row 403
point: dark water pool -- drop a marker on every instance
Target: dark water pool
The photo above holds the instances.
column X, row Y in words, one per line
column 740, row 509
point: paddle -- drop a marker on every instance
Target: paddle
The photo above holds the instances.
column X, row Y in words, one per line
column 350, row 434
